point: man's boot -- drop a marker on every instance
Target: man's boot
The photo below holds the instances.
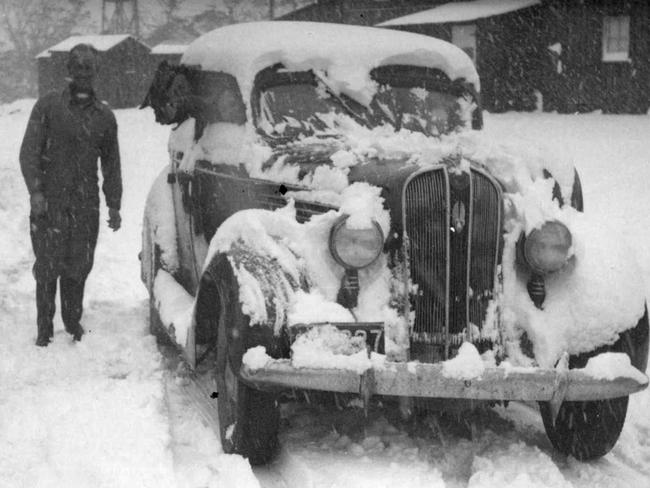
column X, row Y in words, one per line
column 45, row 308
column 72, row 294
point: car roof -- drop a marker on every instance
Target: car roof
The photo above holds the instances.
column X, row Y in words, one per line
column 346, row 53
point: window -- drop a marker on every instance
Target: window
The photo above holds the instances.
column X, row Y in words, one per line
column 616, row 38
column 464, row 36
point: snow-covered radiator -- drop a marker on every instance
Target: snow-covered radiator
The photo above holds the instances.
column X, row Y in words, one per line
column 452, row 222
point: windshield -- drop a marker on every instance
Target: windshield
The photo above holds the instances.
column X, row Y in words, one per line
column 302, row 104
column 298, row 109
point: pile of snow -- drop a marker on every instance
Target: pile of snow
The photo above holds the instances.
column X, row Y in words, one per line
column 256, row 358
column 466, row 365
column 328, row 347
column 612, row 365
column 310, row 308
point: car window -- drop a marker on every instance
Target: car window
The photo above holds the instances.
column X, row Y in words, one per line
column 298, row 109
column 416, row 109
column 420, row 99
column 289, row 105
column 221, row 98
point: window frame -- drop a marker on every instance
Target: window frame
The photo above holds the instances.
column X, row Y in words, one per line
column 464, row 28
column 621, row 38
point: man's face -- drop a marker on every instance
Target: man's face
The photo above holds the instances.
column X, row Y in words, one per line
column 83, row 68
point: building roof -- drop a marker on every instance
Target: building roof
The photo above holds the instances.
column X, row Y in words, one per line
column 99, row 42
column 164, row 48
column 346, row 53
column 461, row 12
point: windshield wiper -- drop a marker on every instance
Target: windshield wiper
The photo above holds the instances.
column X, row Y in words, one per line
column 332, row 92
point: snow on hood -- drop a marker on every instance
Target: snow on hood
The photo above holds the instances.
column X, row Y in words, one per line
column 346, row 53
column 302, row 252
column 599, row 295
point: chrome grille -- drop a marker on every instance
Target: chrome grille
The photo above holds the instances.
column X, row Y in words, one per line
column 452, row 224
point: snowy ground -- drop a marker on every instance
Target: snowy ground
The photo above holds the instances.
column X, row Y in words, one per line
column 110, row 411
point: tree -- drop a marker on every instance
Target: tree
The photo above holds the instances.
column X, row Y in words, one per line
column 32, row 26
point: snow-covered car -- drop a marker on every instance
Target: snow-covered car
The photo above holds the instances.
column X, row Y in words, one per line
column 332, row 219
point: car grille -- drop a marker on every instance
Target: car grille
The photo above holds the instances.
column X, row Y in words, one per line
column 452, row 223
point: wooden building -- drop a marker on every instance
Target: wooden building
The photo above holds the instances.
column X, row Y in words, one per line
column 564, row 55
column 602, row 59
column 125, row 68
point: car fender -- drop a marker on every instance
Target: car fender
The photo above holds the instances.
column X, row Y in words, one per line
column 158, row 231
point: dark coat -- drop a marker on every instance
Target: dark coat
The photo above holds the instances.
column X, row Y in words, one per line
column 60, row 149
column 58, row 157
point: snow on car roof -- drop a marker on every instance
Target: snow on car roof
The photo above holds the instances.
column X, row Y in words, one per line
column 346, row 53
column 461, row 12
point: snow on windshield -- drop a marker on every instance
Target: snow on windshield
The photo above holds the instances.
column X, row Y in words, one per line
column 291, row 110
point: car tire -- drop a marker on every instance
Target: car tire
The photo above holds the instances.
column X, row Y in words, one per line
column 589, row 430
column 248, row 418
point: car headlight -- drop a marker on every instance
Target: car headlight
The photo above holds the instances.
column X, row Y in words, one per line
column 355, row 248
column 547, row 249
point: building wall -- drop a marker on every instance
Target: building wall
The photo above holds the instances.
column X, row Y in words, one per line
column 589, row 83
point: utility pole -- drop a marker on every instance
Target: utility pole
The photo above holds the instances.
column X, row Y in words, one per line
column 120, row 17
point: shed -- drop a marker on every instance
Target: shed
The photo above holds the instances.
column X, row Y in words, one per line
column 505, row 39
column 125, row 68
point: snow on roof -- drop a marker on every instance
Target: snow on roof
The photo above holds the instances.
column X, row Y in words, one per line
column 169, row 49
column 99, row 42
column 346, row 53
column 461, row 12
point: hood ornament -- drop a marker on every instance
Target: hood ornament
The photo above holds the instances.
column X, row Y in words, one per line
column 458, row 217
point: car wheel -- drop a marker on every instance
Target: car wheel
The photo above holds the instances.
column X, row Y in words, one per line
column 248, row 418
column 589, row 430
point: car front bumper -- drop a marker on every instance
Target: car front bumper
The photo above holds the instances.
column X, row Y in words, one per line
column 430, row 381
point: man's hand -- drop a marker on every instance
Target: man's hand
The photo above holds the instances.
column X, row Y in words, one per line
column 114, row 219
column 38, row 204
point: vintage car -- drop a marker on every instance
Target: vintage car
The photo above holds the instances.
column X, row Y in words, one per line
column 332, row 219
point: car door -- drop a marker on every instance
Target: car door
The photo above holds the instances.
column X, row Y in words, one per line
column 191, row 248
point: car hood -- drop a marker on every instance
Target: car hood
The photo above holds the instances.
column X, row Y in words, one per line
column 388, row 174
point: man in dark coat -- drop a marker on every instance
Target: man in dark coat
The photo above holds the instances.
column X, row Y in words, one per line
column 66, row 134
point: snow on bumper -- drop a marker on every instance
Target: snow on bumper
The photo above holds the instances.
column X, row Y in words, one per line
column 429, row 380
